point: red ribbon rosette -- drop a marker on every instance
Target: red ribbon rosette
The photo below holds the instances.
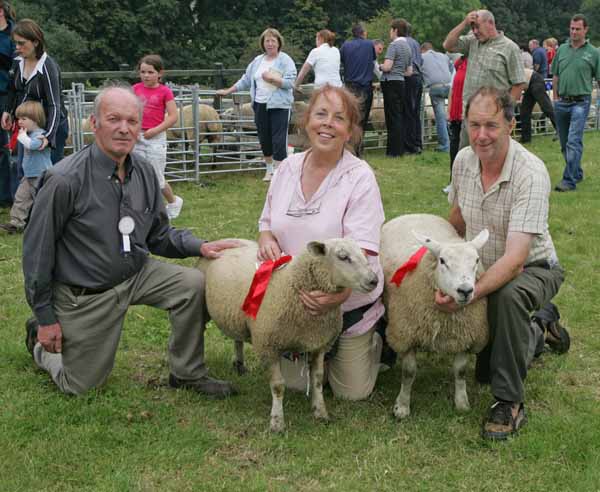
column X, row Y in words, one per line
column 260, row 282
column 409, row 266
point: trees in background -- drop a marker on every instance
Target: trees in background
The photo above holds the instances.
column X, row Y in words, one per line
column 102, row 34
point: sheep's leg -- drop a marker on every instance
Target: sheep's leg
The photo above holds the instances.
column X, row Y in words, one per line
column 277, row 391
column 317, row 371
column 409, row 371
column 461, row 400
column 238, row 361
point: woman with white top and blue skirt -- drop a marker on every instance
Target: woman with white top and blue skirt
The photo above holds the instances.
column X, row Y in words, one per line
column 270, row 78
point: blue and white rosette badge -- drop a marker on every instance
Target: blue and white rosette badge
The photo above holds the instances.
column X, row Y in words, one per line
column 126, row 227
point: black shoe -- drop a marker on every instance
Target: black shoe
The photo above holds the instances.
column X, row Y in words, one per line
column 500, row 424
column 206, row 385
column 31, row 327
column 556, row 335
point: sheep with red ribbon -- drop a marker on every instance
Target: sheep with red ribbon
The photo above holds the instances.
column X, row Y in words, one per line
column 260, row 304
column 421, row 253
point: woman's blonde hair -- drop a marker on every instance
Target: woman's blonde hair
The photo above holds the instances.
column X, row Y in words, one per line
column 273, row 33
column 32, row 110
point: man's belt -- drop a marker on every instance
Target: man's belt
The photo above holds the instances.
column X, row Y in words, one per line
column 85, row 291
column 573, row 98
column 438, row 85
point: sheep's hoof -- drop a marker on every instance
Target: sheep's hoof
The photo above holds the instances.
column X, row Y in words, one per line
column 321, row 414
column 462, row 404
column 277, row 423
column 239, row 367
column 401, row 411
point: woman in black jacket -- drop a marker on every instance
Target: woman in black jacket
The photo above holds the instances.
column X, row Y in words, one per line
column 35, row 76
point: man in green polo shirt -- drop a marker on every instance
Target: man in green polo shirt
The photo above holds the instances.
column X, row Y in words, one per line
column 575, row 64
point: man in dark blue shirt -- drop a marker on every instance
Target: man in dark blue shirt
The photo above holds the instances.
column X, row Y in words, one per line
column 540, row 61
column 357, row 56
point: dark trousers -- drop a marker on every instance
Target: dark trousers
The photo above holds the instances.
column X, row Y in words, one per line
column 272, row 129
column 454, row 131
column 394, row 111
column 6, row 196
column 414, row 94
column 364, row 95
column 365, row 98
column 536, row 92
column 513, row 339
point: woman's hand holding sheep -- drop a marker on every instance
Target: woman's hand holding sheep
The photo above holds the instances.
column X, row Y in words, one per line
column 213, row 249
column 268, row 247
column 445, row 303
column 318, row 302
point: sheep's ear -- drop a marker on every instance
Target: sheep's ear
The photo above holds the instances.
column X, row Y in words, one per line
column 481, row 238
column 317, row 248
column 429, row 243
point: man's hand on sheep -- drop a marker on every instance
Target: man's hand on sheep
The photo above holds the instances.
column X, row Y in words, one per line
column 268, row 247
column 446, row 303
column 318, row 302
column 213, row 249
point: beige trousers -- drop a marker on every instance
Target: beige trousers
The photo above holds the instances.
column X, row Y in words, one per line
column 351, row 373
column 92, row 324
column 23, row 201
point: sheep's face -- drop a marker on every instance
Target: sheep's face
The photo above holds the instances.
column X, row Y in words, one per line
column 457, row 265
column 348, row 263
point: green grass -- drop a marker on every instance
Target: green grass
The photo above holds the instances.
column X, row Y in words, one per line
column 132, row 435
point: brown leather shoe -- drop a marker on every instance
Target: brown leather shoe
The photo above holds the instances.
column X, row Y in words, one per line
column 215, row 388
column 500, row 423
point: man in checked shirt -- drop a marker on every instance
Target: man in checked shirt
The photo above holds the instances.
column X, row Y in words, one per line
column 498, row 185
column 494, row 59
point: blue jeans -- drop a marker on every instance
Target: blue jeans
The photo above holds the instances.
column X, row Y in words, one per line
column 438, row 96
column 570, row 120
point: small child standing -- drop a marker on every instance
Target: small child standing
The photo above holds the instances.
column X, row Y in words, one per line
column 152, row 144
column 31, row 120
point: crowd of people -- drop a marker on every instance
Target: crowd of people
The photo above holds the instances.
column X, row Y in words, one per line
column 91, row 220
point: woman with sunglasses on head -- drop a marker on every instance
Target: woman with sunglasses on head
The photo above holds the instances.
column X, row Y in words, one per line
column 36, row 77
column 327, row 192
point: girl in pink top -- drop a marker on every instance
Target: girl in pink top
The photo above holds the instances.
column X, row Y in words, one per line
column 152, row 144
column 327, row 192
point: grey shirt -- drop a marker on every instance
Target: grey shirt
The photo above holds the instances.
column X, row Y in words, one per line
column 436, row 68
column 399, row 52
column 73, row 233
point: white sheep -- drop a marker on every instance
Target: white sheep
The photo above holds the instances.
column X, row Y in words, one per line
column 414, row 322
column 283, row 324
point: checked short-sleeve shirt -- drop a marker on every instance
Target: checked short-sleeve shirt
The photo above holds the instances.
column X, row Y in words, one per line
column 517, row 202
column 495, row 63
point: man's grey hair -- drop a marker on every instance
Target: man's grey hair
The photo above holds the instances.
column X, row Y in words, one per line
column 486, row 15
column 108, row 86
column 378, row 41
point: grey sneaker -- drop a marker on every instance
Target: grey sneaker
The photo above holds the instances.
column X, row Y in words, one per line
column 10, row 228
column 206, row 385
